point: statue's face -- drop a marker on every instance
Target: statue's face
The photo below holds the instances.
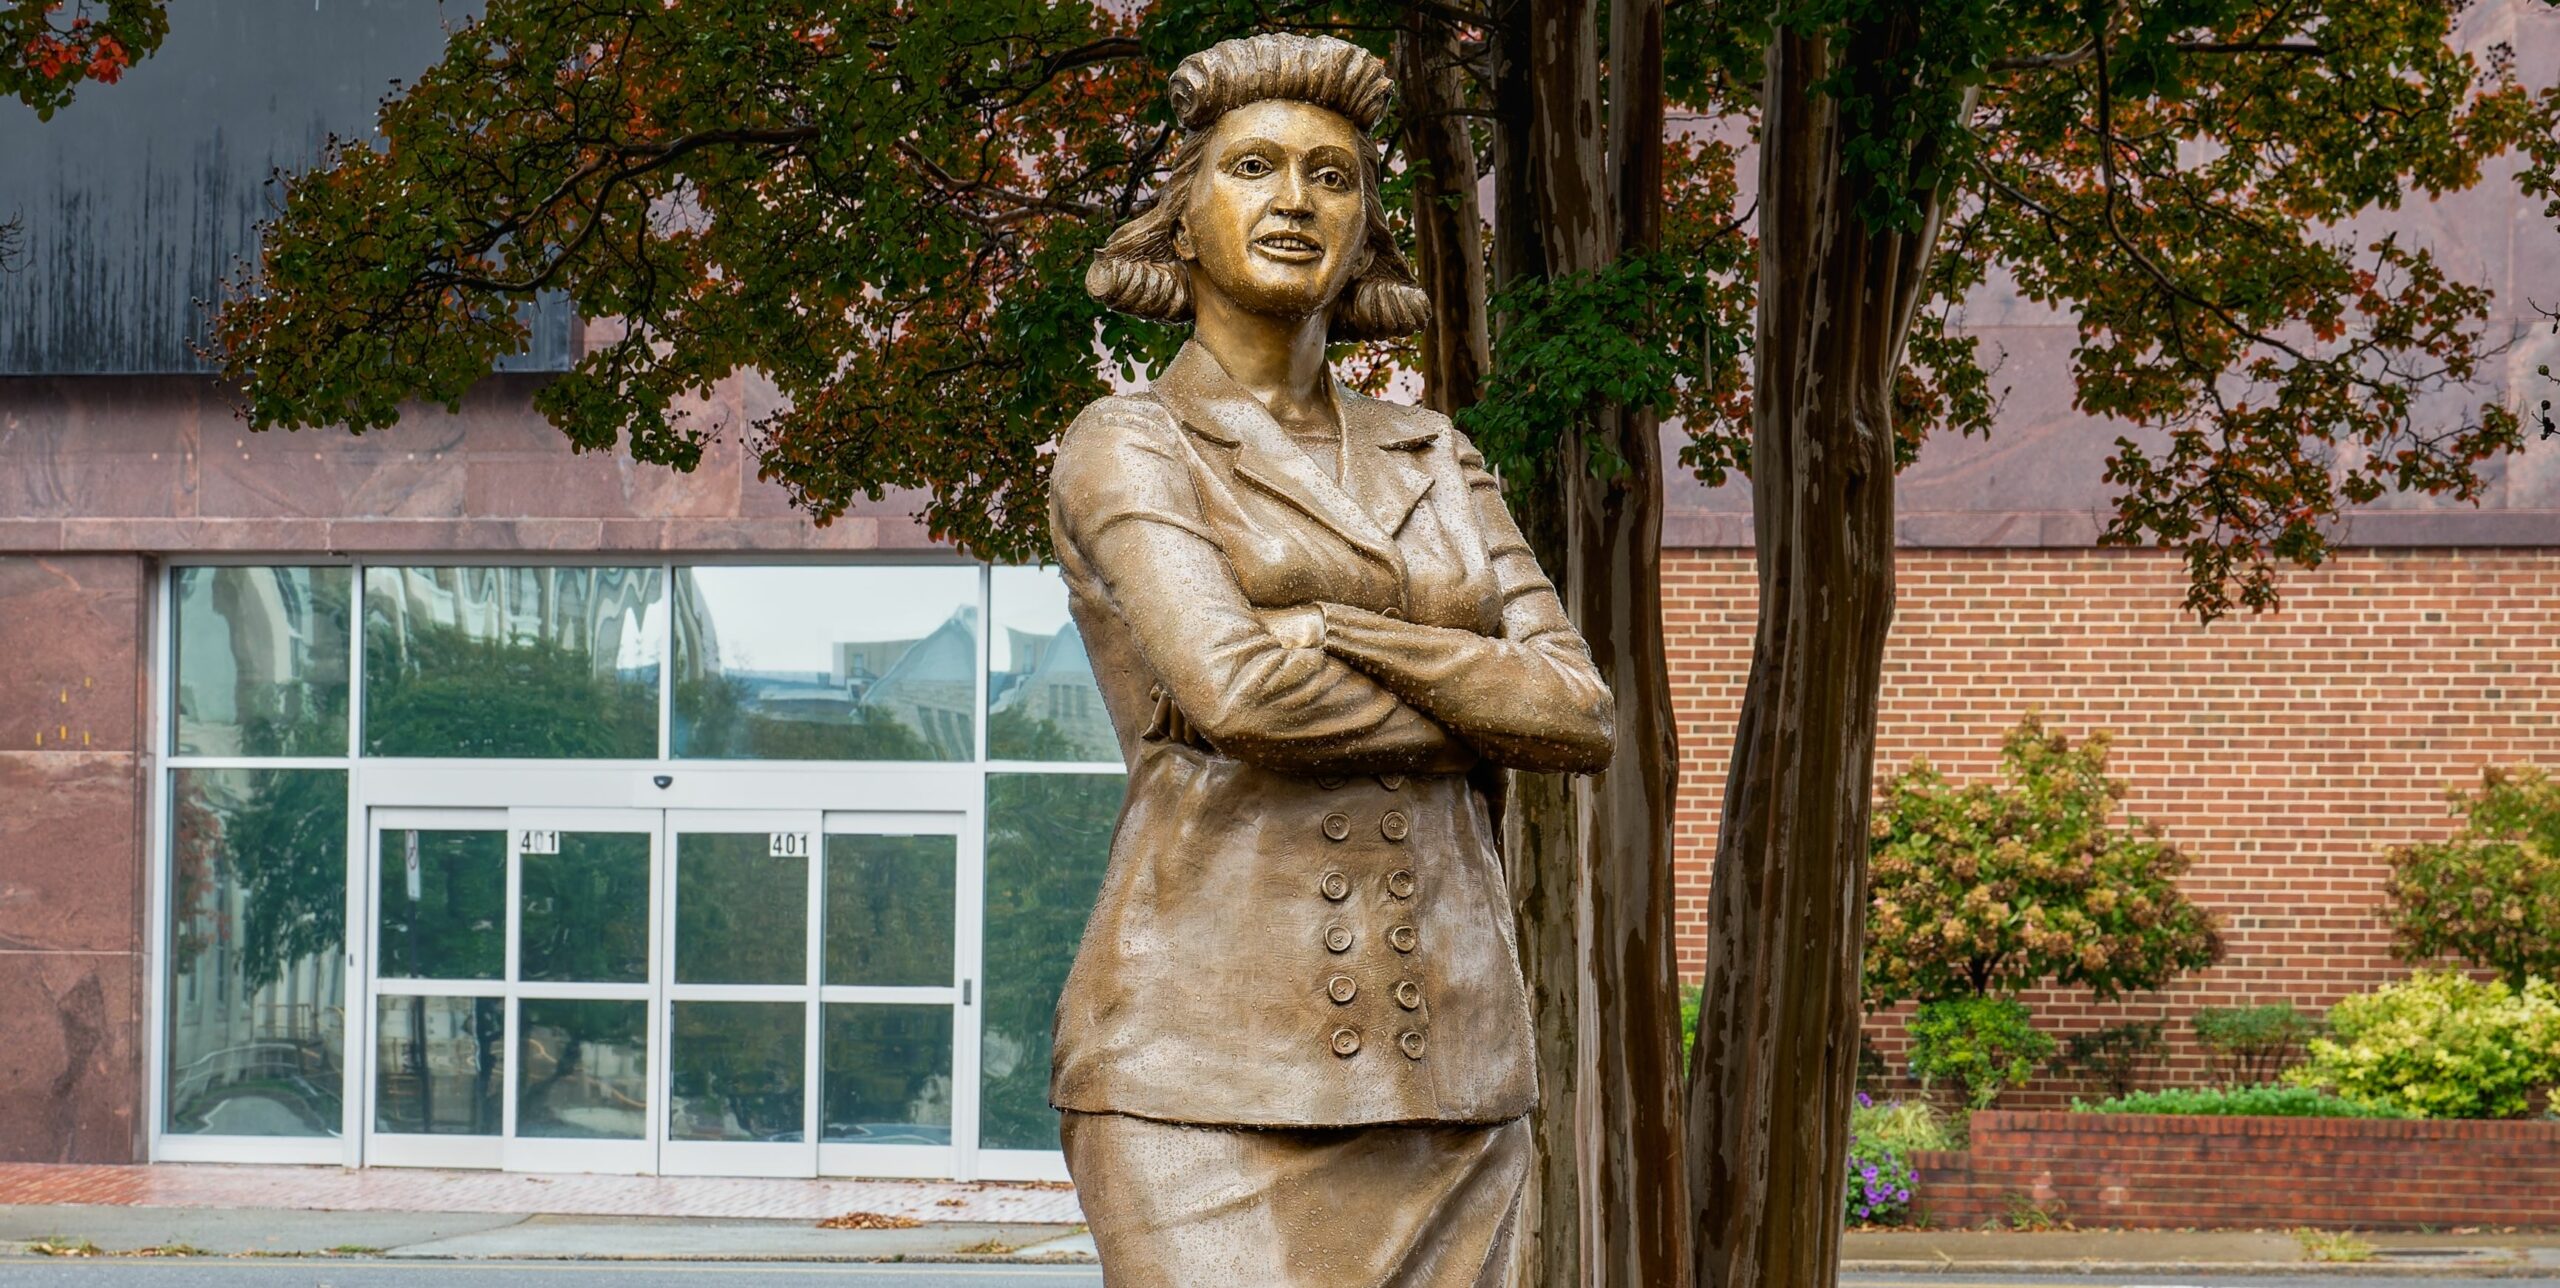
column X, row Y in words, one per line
column 1277, row 221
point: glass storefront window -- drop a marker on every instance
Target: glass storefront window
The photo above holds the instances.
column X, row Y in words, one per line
column 552, row 662
column 584, row 915
column 890, row 904
column 1048, row 839
column 826, row 663
column 582, row 1069
column 579, row 981
column 257, row 984
column 440, row 1065
column 261, row 660
column 441, row 909
column 737, row 1072
column 742, row 912
column 888, row 1075
column 1041, row 699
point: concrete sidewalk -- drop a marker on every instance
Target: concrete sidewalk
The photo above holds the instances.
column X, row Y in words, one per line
column 75, row 1229
column 2220, row 1252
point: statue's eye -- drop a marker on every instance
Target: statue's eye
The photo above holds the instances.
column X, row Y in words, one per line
column 1334, row 179
column 1252, row 167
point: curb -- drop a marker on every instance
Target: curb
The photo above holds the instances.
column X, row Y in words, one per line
column 20, row 1251
column 2378, row 1268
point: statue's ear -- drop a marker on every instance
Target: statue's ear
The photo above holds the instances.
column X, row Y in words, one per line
column 1182, row 247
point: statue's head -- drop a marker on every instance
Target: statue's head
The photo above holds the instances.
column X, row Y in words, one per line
column 1273, row 201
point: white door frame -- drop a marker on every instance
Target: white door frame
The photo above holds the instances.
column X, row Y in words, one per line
column 659, row 798
column 400, row 1149
column 743, row 1158
column 585, row 1154
column 960, row 996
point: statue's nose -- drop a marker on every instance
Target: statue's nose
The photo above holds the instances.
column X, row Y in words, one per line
column 1290, row 199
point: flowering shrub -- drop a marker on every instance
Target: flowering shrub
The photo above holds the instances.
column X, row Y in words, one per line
column 2441, row 1045
column 1998, row 886
column 1879, row 1185
column 1880, row 1180
column 2489, row 895
column 1985, row 1045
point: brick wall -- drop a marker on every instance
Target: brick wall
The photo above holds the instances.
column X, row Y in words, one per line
column 2140, row 1171
column 2282, row 752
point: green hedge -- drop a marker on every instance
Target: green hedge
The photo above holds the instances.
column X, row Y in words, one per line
column 2236, row 1102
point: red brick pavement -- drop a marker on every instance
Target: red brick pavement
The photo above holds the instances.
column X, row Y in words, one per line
column 208, row 1185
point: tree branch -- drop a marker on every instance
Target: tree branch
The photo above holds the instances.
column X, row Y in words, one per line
column 2075, row 57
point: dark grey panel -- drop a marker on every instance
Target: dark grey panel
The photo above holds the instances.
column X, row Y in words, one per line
column 140, row 197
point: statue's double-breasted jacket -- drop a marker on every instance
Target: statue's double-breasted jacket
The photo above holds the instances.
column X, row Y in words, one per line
column 1304, row 922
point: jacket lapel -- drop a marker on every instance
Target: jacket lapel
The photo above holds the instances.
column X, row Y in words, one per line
column 1212, row 405
column 1382, row 451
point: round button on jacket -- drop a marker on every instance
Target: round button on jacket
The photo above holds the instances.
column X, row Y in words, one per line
column 1411, row 1042
column 1342, row 988
column 1400, row 883
column 1329, row 782
column 1337, row 826
column 1338, row 938
column 1392, row 782
column 1408, row 995
column 1402, row 937
column 1337, row 887
column 1346, row 1042
column 1395, row 826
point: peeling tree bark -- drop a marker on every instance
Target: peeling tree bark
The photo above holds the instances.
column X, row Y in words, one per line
column 1775, row 1062
column 1540, row 832
column 1446, row 220
column 1578, row 185
column 1635, row 1207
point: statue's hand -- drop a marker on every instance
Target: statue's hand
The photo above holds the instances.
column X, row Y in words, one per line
column 1168, row 724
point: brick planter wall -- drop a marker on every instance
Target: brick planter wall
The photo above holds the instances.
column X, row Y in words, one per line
column 2145, row 1171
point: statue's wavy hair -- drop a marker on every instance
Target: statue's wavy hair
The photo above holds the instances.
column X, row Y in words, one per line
column 1138, row 270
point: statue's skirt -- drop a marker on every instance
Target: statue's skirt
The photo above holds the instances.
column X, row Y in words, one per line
column 1174, row 1205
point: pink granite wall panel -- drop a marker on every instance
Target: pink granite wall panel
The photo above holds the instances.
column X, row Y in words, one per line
column 72, row 857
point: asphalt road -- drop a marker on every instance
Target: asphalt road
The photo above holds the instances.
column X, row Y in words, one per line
column 255, row 1273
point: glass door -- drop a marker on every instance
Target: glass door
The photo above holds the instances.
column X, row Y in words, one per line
column 820, row 994
column 898, row 996
column 742, row 996
column 439, row 994
column 584, row 892
column 510, row 989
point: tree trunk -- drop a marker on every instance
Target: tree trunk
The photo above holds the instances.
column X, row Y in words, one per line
column 1775, row 1062
column 1577, row 185
column 1540, row 833
column 1635, row 1207
column 1447, row 237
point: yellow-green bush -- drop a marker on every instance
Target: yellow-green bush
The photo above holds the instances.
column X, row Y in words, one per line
column 2441, row 1045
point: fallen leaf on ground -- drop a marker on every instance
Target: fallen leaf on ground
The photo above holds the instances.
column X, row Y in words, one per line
column 869, row 1221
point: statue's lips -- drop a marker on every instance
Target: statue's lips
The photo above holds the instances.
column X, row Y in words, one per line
column 1289, row 248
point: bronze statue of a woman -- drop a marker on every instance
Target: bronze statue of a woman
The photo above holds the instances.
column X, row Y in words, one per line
column 1295, row 1046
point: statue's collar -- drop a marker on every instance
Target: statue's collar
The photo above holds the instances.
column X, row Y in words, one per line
column 1373, row 498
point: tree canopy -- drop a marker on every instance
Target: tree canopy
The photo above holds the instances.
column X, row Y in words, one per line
column 887, row 210
column 48, row 49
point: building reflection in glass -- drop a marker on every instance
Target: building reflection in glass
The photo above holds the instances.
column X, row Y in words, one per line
column 257, row 982
column 1041, row 699
column 826, row 663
